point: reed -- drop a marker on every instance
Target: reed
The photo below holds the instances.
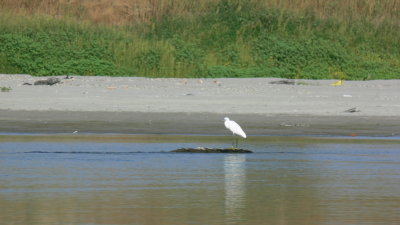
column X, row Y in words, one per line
column 125, row 12
column 213, row 38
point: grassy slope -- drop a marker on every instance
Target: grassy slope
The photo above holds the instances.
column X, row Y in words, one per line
column 224, row 39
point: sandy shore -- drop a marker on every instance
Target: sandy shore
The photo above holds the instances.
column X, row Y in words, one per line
column 197, row 106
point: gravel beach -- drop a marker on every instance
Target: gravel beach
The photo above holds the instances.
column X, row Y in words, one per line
column 197, row 106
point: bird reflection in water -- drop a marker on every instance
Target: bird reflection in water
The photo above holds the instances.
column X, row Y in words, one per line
column 235, row 187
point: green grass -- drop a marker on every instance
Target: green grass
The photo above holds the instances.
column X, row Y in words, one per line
column 232, row 39
column 5, row 89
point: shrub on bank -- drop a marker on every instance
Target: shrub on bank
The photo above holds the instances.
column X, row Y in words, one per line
column 224, row 38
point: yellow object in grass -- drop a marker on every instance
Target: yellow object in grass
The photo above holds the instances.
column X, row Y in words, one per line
column 337, row 83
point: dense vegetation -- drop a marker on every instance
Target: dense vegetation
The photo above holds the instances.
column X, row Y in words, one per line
column 214, row 38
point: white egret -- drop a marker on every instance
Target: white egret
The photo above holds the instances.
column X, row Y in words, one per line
column 235, row 129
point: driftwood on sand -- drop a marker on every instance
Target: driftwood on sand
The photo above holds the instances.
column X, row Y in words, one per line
column 49, row 81
column 290, row 82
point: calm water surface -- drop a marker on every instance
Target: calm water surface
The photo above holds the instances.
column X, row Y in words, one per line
column 283, row 182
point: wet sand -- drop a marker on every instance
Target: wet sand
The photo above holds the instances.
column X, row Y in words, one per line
column 193, row 123
column 197, row 106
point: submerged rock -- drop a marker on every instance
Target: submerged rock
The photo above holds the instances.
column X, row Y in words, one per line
column 211, row 150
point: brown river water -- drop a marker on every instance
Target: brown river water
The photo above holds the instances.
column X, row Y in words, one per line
column 111, row 179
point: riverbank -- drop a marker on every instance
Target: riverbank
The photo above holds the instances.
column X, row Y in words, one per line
column 217, row 38
column 194, row 123
column 197, row 106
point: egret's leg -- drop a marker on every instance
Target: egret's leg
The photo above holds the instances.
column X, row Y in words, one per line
column 237, row 142
column 233, row 140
